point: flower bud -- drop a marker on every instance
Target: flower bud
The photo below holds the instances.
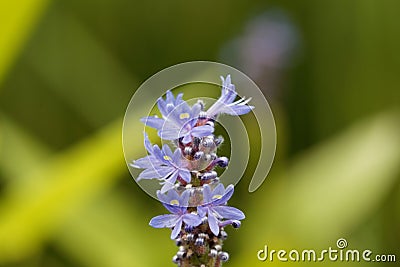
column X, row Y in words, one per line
column 175, row 259
column 213, row 253
column 219, row 140
column 199, row 241
column 196, row 142
column 190, row 237
column 203, row 235
column 181, row 254
column 178, row 241
column 188, row 228
column 198, row 155
column 188, row 151
column 209, row 175
column 223, row 235
column 221, row 161
column 236, row 224
column 218, row 247
column 223, row 256
column 208, row 142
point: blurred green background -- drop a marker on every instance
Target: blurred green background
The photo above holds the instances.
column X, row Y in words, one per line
column 68, row 69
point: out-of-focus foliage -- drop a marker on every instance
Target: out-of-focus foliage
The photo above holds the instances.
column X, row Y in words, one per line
column 17, row 20
column 69, row 68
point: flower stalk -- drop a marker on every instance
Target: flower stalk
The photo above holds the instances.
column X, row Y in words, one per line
column 190, row 187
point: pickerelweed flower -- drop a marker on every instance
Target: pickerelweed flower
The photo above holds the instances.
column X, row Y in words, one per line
column 177, row 205
column 163, row 165
column 179, row 120
column 225, row 103
column 190, row 187
column 215, row 208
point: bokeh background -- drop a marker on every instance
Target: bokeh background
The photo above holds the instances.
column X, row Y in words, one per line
column 330, row 70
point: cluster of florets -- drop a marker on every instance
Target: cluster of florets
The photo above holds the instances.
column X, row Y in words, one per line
column 191, row 190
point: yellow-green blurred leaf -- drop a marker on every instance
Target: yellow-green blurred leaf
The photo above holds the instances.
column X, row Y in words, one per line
column 17, row 19
column 115, row 230
column 72, row 178
column 91, row 79
column 19, row 151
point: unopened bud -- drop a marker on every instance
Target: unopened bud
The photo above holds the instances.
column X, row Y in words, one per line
column 224, row 256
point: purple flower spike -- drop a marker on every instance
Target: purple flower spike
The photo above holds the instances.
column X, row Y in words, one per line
column 177, row 205
column 225, row 104
column 191, row 190
column 215, row 208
